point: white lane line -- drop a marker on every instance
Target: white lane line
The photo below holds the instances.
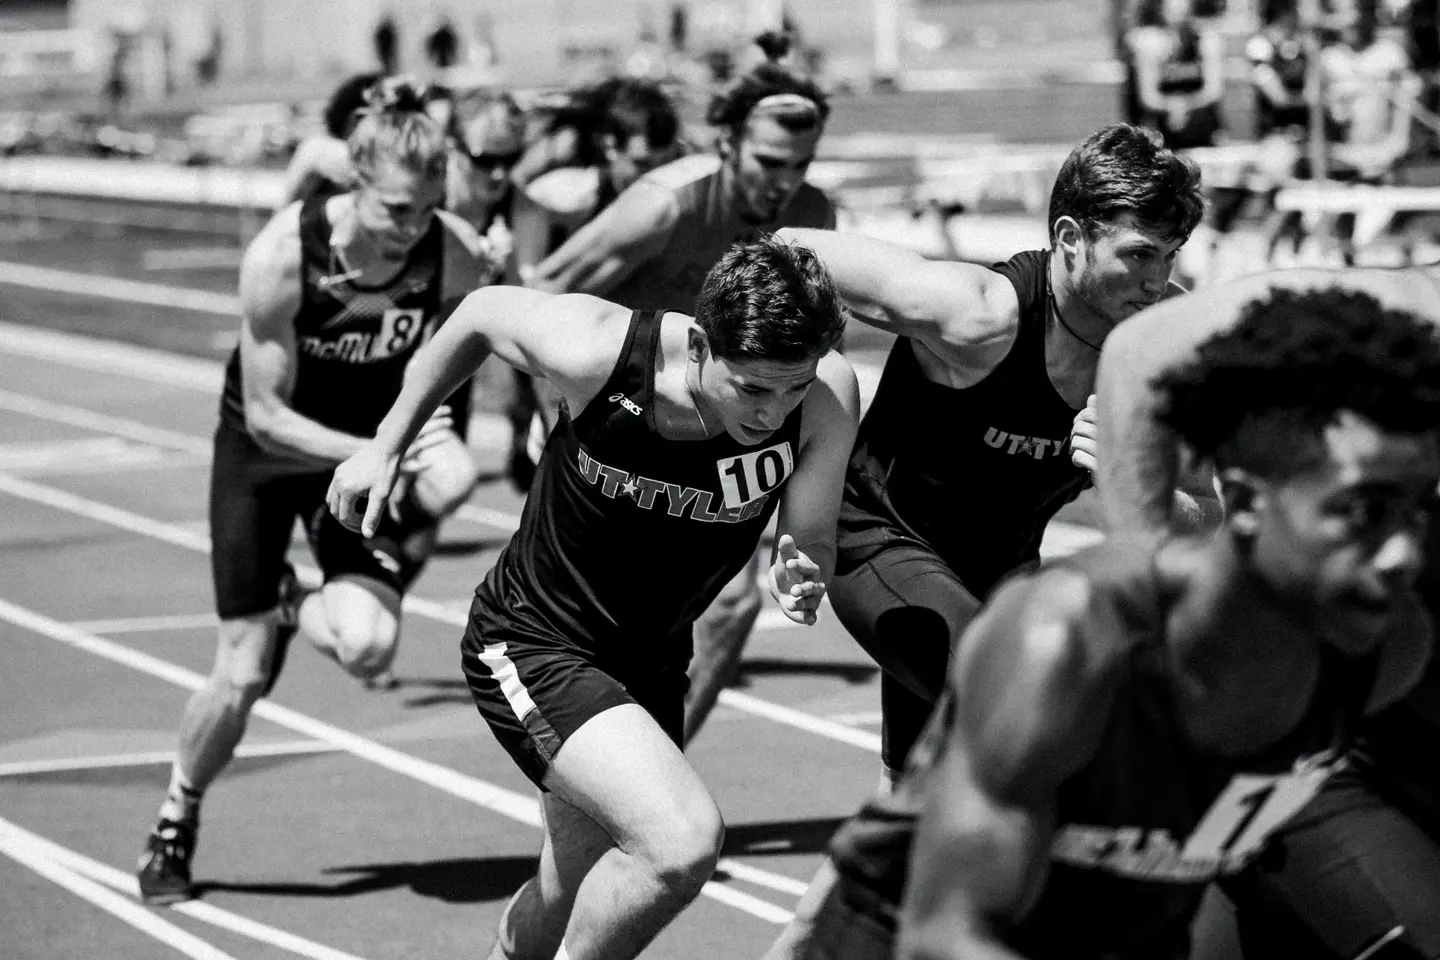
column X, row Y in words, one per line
column 488, row 795
column 191, row 258
column 125, row 883
column 178, row 621
column 182, row 442
column 103, row 423
column 18, row 846
column 863, row 717
column 111, row 356
column 801, row 720
column 20, row 768
column 763, row 878
column 114, row 288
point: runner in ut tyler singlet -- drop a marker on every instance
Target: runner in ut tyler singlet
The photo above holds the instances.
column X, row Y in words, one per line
column 678, row 437
column 652, row 248
column 337, row 294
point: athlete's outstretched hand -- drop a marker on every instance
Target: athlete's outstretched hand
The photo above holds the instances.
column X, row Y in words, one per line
column 795, row 581
column 1082, row 438
column 361, row 486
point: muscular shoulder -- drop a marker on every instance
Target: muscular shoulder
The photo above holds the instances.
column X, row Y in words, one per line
column 270, row 269
column 1033, row 685
column 686, row 172
column 567, row 192
column 833, row 401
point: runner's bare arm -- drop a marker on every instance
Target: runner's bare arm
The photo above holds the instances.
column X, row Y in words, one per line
column 270, row 288
column 315, row 160
column 601, row 254
column 1025, row 708
column 570, row 340
column 965, row 313
column 810, row 500
column 1138, row 456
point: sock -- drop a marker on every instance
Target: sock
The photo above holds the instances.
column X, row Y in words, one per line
column 182, row 801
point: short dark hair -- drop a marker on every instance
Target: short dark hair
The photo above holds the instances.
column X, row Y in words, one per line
column 730, row 110
column 1258, row 395
column 769, row 300
column 1123, row 169
column 630, row 107
column 339, row 113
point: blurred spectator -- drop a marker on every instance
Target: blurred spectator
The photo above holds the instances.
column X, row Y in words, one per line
column 442, row 45
column 487, row 51
column 1370, row 92
column 679, row 27
column 1278, row 65
column 1178, row 63
column 387, row 45
column 207, row 67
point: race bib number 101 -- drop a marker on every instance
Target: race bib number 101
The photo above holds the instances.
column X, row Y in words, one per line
column 752, row 475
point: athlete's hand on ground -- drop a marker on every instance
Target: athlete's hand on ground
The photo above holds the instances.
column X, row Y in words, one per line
column 361, row 487
column 435, row 431
column 1082, row 438
column 795, row 580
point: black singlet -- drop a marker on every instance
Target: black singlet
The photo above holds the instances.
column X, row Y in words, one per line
column 627, row 536
column 975, row 473
column 352, row 343
column 1150, row 820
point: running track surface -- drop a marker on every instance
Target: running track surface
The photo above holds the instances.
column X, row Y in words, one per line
column 355, row 824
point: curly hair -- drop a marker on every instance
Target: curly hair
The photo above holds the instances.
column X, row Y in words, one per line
column 769, row 300
column 1258, row 395
column 1123, row 169
column 730, row 110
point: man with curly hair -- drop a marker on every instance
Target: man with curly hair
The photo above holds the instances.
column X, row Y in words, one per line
column 1123, row 726
column 1363, row 860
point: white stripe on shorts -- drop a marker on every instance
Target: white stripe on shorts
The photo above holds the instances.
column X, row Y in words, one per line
column 502, row 668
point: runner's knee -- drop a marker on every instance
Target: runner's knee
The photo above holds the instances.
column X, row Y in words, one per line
column 682, row 849
column 242, row 660
column 366, row 648
column 445, row 481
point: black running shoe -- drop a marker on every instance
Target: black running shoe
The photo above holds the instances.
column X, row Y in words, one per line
column 164, row 870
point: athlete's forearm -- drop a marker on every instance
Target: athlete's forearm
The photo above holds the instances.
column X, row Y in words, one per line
column 282, row 432
column 435, row 372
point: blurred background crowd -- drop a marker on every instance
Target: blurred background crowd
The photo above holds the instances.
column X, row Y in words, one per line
column 950, row 115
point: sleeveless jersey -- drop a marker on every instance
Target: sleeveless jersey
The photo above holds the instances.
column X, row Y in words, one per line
column 1149, row 820
column 627, row 536
column 352, row 343
column 708, row 225
column 974, row 473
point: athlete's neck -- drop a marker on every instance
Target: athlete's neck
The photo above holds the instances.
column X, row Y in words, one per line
column 1078, row 320
column 1243, row 667
column 356, row 247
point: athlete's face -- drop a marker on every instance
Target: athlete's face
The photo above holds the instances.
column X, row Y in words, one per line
column 395, row 206
column 1121, row 270
column 768, row 165
column 494, row 146
column 634, row 158
column 750, row 398
column 1340, row 541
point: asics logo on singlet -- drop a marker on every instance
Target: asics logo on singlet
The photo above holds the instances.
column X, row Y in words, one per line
column 399, row 331
column 626, row 402
column 678, row 501
column 1232, row 832
column 1017, row 445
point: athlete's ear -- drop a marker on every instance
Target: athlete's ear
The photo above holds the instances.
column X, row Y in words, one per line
column 1068, row 234
column 1243, row 496
column 697, row 346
